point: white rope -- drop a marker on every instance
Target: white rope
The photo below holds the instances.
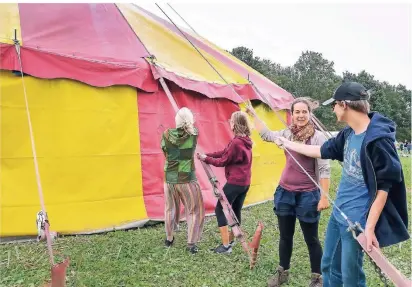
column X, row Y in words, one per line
column 36, row 165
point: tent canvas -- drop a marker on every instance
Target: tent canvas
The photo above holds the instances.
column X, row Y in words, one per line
column 98, row 112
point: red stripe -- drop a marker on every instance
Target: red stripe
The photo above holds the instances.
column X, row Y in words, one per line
column 8, row 57
column 91, row 43
column 155, row 115
column 246, row 91
column 96, row 31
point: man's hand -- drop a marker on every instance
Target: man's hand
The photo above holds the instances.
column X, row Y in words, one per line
column 323, row 204
column 371, row 239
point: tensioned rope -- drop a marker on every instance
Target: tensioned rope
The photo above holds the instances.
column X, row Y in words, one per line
column 250, row 107
column 33, row 148
column 395, row 274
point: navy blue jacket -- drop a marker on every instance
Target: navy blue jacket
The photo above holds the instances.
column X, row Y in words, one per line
column 382, row 170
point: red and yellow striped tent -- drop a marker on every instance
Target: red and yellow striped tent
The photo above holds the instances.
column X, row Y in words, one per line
column 98, row 111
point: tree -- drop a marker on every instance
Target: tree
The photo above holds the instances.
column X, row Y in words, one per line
column 314, row 76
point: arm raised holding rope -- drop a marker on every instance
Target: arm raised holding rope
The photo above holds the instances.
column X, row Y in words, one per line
column 302, row 190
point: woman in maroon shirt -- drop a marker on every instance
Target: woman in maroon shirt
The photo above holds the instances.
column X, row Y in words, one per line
column 237, row 160
column 297, row 196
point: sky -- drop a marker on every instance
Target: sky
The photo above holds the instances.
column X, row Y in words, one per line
column 375, row 37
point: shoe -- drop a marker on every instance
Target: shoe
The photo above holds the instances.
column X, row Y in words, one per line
column 221, row 249
column 232, row 243
column 169, row 243
column 193, row 249
column 316, row 280
column 281, row 276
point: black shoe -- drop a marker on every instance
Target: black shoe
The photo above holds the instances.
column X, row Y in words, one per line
column 193, row 249
column 169, row 243
column 221, row 249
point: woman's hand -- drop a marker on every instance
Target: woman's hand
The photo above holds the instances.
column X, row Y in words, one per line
column 323, row 204
column 281, row 142
column 250, row 111
column 201, row 156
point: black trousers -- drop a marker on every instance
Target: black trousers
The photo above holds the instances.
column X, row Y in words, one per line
column 236, row 195
column 310, row 233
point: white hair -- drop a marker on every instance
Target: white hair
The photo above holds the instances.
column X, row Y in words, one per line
column 184, row 119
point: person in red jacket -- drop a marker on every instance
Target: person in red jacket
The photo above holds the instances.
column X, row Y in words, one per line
column 237, row 160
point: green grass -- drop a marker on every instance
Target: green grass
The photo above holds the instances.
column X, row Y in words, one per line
column 138, row 258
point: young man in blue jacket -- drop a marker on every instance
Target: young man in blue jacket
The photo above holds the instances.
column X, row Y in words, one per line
column 371, row 191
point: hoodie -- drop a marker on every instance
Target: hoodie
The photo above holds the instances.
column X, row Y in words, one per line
column 179, row 147
column 382, row 170
column 237, row 160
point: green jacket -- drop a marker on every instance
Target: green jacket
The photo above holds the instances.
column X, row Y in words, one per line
column 179, row 149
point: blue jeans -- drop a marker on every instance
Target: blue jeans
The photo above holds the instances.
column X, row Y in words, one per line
column 302, row 204
column 342, row 258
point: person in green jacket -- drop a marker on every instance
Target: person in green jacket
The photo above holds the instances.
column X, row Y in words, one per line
column 178, row 145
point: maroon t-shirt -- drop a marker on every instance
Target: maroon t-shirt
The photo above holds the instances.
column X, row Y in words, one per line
column 293, row 178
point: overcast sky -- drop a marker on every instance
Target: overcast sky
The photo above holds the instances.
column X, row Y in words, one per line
column 374, row 37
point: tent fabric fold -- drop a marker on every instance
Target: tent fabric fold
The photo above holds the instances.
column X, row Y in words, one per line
column 98, row 112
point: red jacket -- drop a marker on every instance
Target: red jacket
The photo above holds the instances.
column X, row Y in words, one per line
column 237, row 160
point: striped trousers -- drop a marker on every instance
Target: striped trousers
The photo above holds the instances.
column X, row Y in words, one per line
column 191, row 196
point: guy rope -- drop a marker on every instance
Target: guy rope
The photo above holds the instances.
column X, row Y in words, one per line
column 381, row 263
column 58, row 271
column 250, row 248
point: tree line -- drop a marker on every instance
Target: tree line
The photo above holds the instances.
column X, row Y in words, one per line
column 314, row 76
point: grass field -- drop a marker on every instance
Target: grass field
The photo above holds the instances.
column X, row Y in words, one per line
column 138, row 257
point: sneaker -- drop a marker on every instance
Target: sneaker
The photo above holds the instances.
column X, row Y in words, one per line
column 193, row 249
column 223, row 250
column 232, row 243
column 316, row 280
column 169, row 243
column 281, row 276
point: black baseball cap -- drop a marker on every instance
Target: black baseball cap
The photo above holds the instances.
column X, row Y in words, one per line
column 349, row 91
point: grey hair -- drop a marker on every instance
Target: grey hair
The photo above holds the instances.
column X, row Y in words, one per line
column 184, row 119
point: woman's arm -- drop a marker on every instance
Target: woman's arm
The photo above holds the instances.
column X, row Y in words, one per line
column 323, row 166
column 226, row 158
column 216, row 154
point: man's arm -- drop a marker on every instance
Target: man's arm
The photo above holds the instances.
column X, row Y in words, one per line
column 308, row 150
column 388, row 171
column 373, row 217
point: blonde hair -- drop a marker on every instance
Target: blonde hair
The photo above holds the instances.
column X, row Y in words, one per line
column 184, row 119
column 241, row 123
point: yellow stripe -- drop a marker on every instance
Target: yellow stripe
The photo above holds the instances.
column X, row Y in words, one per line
column 9, row 21
column 233, row 58
column 174, row 52
column 268, row 159
column 88, row 148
